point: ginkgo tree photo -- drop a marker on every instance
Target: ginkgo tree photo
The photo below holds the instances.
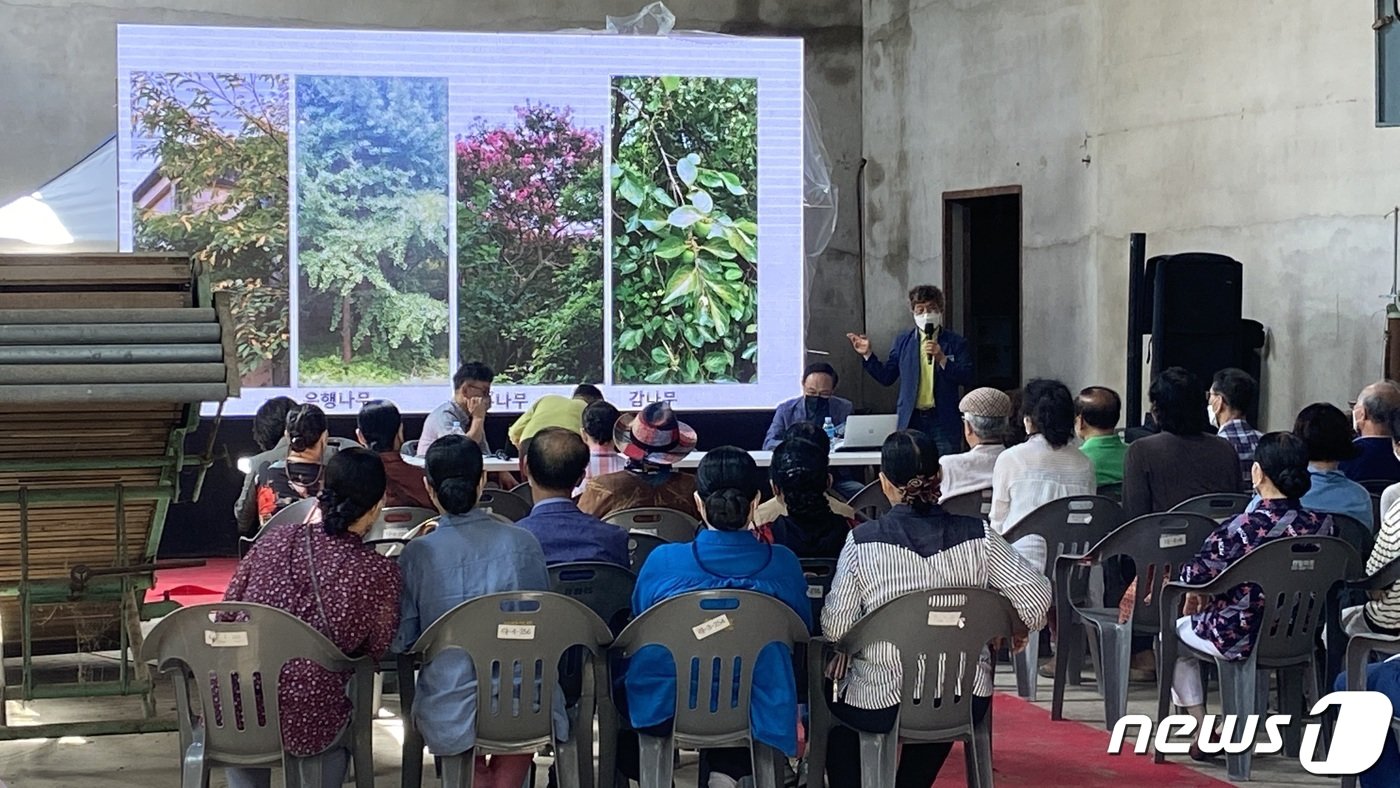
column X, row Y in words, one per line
column 684, row 178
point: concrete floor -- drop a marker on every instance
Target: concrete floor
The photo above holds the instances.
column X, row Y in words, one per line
column 151, row 761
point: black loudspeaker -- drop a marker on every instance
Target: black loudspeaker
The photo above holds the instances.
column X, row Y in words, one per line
column 1195, row 302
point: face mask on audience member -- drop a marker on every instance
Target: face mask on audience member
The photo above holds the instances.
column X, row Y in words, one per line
column 1210, row 417
column 817, row 407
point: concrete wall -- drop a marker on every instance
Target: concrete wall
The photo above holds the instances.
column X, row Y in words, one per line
column 58, row 59
column 1240, row 128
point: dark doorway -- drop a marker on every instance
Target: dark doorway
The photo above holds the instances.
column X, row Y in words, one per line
column 982, row 276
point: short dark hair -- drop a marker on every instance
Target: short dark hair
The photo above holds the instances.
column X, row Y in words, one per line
column 1326, row 431
column 820, row 368
column 906, row 455
column 1283, row 457
column 727, row 481
column 305, row 426
column 1236, row 387
column 354, row 485
column 472, row 370
column 1100, row 407
column 599, row 421
column 556, row 458
column 1178, row 402
column 270, row 422
column 926, row 294
column 807, row 431
column 799, row 470
column 1049, row 406
column 588, row 393
column 379, row 422
column 453, row 468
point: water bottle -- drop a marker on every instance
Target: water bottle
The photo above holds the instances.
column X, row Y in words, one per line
column 829, row 427
column 456, row 428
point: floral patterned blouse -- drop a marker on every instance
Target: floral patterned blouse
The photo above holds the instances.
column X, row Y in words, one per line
column 358, row 610
column 1231, row 620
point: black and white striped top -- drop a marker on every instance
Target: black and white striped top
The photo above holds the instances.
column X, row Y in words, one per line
column 1384, row 613
column 903, row 552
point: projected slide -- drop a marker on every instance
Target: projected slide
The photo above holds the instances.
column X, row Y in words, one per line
column 381, row 206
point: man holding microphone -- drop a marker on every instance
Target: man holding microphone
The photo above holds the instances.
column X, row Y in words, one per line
column 930, row 363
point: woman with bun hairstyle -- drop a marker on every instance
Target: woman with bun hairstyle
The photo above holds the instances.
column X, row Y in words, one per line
column 283, row 483
column 725, row 554
column 322, row 572
column 1225, row 625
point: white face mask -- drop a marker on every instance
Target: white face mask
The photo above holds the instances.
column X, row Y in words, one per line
column 1210, row 416
column 928, row 320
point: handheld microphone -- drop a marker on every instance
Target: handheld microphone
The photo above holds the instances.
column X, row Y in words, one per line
column 930, row 335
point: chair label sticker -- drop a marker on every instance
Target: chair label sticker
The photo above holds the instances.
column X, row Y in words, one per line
column 647, row 531
column 1303, row 565
column 941, row 618
column 815, row 592
column 1171, row 540
column 225, row 639
column 715, row 625
column 515, row 631
column 395, row 533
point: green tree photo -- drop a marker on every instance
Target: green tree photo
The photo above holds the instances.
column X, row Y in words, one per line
column 684, row 179
column 372, row 212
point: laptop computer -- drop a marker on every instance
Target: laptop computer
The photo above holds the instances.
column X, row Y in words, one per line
column 864, row 433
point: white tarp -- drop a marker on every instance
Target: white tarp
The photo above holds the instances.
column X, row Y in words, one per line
column 74, row 212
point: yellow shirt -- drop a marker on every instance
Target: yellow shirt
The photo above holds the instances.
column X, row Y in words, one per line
column 550, row 410
column 925, row 401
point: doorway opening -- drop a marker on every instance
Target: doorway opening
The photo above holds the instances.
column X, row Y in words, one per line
column 982, row 277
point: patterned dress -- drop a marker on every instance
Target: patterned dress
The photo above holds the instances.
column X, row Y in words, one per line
column 1231, row 620
column 283, row 483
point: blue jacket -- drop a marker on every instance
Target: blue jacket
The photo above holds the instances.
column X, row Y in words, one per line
column 790, row 412
column 903, row 366
column 732, row 559
column 567, row 534
column 1376, row 462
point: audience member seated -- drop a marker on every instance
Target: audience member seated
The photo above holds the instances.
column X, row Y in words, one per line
column 1044, row 468
column 552, row 410
column 283, row 483
column 1382, row 677
column 1096, row 413
column 380, row 429
column 599, row 424
column 840, row 492
column 1381, row 614
column 1232, row 394
column 651, row 442
column 1326, row 432
column 322, row 573
column 465, row 413
column 555, row 461
column 808, row 526
column 1226, row 625
column 469, row 554
column 984, row 415
column 1016, row 424
column 916, row 546
column 1371, row 415
column 1182, row 460
column 723, row 555
column 270, row 433
column 816, row 404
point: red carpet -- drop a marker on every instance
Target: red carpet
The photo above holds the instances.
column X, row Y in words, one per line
column 195, row 585
column 1029, row 749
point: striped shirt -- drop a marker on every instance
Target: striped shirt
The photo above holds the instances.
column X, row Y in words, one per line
column 602, row 460
column 1384, row 613
column 904, row 552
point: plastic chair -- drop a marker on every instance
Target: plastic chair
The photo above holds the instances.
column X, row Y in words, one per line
column 235, row 724
column 604, row 588
column 1217, row 506
column 1376, row 513
column 1359, row 651
column 409, row 448
column 1068, row 525
column 1359, row 589
column 870, row 502
column 948, row 627
column 524, row 493
column 1113, row 492
column 977, row 503
column 502, row 503
column 1377, row 486
column 1354, row 533
column 639, row 546
column 1157, row 545
column 819, row 573
column 391, row 531
column 292, row 513
column 526, row 632
column 719, row 663
column 1296, row 574
column 666, row 524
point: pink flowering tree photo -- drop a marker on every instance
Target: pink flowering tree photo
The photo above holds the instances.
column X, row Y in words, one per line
column 530, row 247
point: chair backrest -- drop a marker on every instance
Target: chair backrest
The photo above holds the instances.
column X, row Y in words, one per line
column 639, row 546
column 396, row 522
column 1158, row 544
column 1376, row 512
column 1354, row 533
column 409, row 448
column 819, row 573
column 977, row 503
column 1217, row 506
column 939, row 635
column 870, row 502
column 291, row 513
column 667, row 524
column 522, row 633
column 1113, row 492
column 715, row 637
column 523, row 492
column 1069, row 525
column 1376, row 486
column 235, row 667
column 503, row 503
column 605, row 588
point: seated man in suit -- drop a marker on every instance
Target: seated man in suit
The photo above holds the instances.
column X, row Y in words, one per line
column 555, row 461
column 816, row 404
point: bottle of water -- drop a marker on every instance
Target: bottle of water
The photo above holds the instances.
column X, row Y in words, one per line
column 829, row 427
column 456, row 428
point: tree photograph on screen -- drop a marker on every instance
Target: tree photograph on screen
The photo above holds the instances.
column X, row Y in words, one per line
column 216, row 189
column 684, row 181
column 530, row 246
column 372, row 237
